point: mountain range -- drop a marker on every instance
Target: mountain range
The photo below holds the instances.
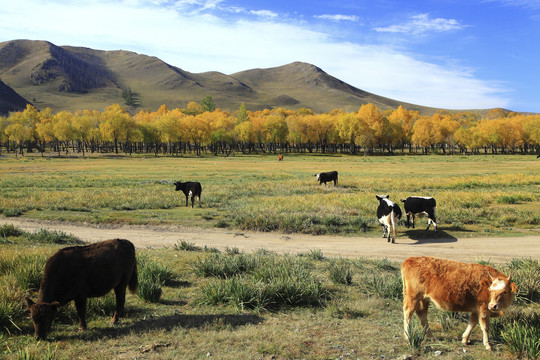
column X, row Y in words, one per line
column 77, row 78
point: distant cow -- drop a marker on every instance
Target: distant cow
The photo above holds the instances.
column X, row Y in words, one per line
column 79, row 272
column 388, row 214
column 280, row 157
column 454, row 286
column 417, row 205
column 325, row 177
column 190, row 189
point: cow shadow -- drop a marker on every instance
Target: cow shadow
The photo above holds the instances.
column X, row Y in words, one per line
column 169, row 322
column 429, row 236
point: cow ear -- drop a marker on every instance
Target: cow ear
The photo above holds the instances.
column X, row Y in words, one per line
column 378, row 197
column 29, row 301
column 513, row 287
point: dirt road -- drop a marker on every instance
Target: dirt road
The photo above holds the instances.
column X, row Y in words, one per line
column 494, row 249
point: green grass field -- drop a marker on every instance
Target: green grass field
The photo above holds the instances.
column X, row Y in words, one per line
column 264, row 306
column 252, row 306
column 476, row 195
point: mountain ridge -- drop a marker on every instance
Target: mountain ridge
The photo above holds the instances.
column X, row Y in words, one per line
column 75, row 78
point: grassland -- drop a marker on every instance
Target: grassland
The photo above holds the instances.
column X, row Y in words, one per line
column 236, row 312
column 476, row 195
column 210, row 309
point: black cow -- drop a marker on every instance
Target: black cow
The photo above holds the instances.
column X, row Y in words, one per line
column 327, row 177
column 79, row 272
column 190, row 189
column 388, row 214
column 418, row 205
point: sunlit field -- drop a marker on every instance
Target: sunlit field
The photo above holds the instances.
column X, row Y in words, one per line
column 476, row 195
column 199, row 303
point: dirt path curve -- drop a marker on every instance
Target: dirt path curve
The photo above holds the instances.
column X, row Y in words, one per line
column 493, row 249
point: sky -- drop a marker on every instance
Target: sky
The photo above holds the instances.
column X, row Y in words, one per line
column 453, row 54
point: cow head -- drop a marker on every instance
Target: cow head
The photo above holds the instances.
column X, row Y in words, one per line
column 42, row 316
column 318, row 176
column 501, row 293
column 178, row 185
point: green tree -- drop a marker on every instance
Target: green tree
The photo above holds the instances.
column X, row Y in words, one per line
column 242, row 114
column 208, row 104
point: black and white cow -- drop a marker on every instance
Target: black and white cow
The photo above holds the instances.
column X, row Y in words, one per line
column 190, row 189
column 420, row 205
column 325, row 177
column 388, row 214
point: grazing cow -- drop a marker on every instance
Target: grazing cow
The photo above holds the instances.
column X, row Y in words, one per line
column 418, row 205
column 280, row 157
column 388, row 214
column 325, row 177
column 190, row 189
column 454, row 286
column 79, row 272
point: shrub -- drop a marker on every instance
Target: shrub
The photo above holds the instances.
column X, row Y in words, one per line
column 26, row 354
column 223, row 266
column 28, row 270
column 388, row 286
column 415, row 334
column 44, row 236
column 340, row 272
column 7, row 230
column 522, row 335
column 152, row 276
column 268, row 282
column 186, row 246
column 102, row 306
column 12, row 306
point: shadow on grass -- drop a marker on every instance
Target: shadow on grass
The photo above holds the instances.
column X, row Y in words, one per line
column 186, row 321
column 426, row 237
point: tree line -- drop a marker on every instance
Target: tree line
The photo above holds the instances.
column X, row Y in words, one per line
column 203, row 128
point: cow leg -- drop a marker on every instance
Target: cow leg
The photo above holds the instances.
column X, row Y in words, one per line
column 422, row 312
column 408, row 223
column 120, row 292
column 413, row 221
column 472, row 323
column 484, row 325
column 383, row 231
column 192, row 201
column 80, row 304
column 186, row 200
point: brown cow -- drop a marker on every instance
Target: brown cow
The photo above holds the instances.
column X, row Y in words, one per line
column 455, row 286
column 79, row 272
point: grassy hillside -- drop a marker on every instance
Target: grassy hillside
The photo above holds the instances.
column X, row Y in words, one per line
column 72, row 78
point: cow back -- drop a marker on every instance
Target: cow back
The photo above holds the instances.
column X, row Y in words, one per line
column 452, row 285
column 87, row 271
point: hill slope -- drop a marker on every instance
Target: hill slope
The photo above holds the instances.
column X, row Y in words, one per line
column 74, row 78
column 10, row 100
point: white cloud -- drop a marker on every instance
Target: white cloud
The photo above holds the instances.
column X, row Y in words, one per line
column 527, row 4
column 264, row 13
column 422, row 23
column 338, row 17
column 199, row 42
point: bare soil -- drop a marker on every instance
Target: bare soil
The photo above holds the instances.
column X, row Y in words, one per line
column 408, row 243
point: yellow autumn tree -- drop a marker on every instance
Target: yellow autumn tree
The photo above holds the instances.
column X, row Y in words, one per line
column 423, row 133
column 116, row 124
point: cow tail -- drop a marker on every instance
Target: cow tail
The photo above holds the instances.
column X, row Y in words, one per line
column 134, row 280
column 393, row 217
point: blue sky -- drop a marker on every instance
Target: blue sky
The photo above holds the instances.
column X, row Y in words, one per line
column 456, row 54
